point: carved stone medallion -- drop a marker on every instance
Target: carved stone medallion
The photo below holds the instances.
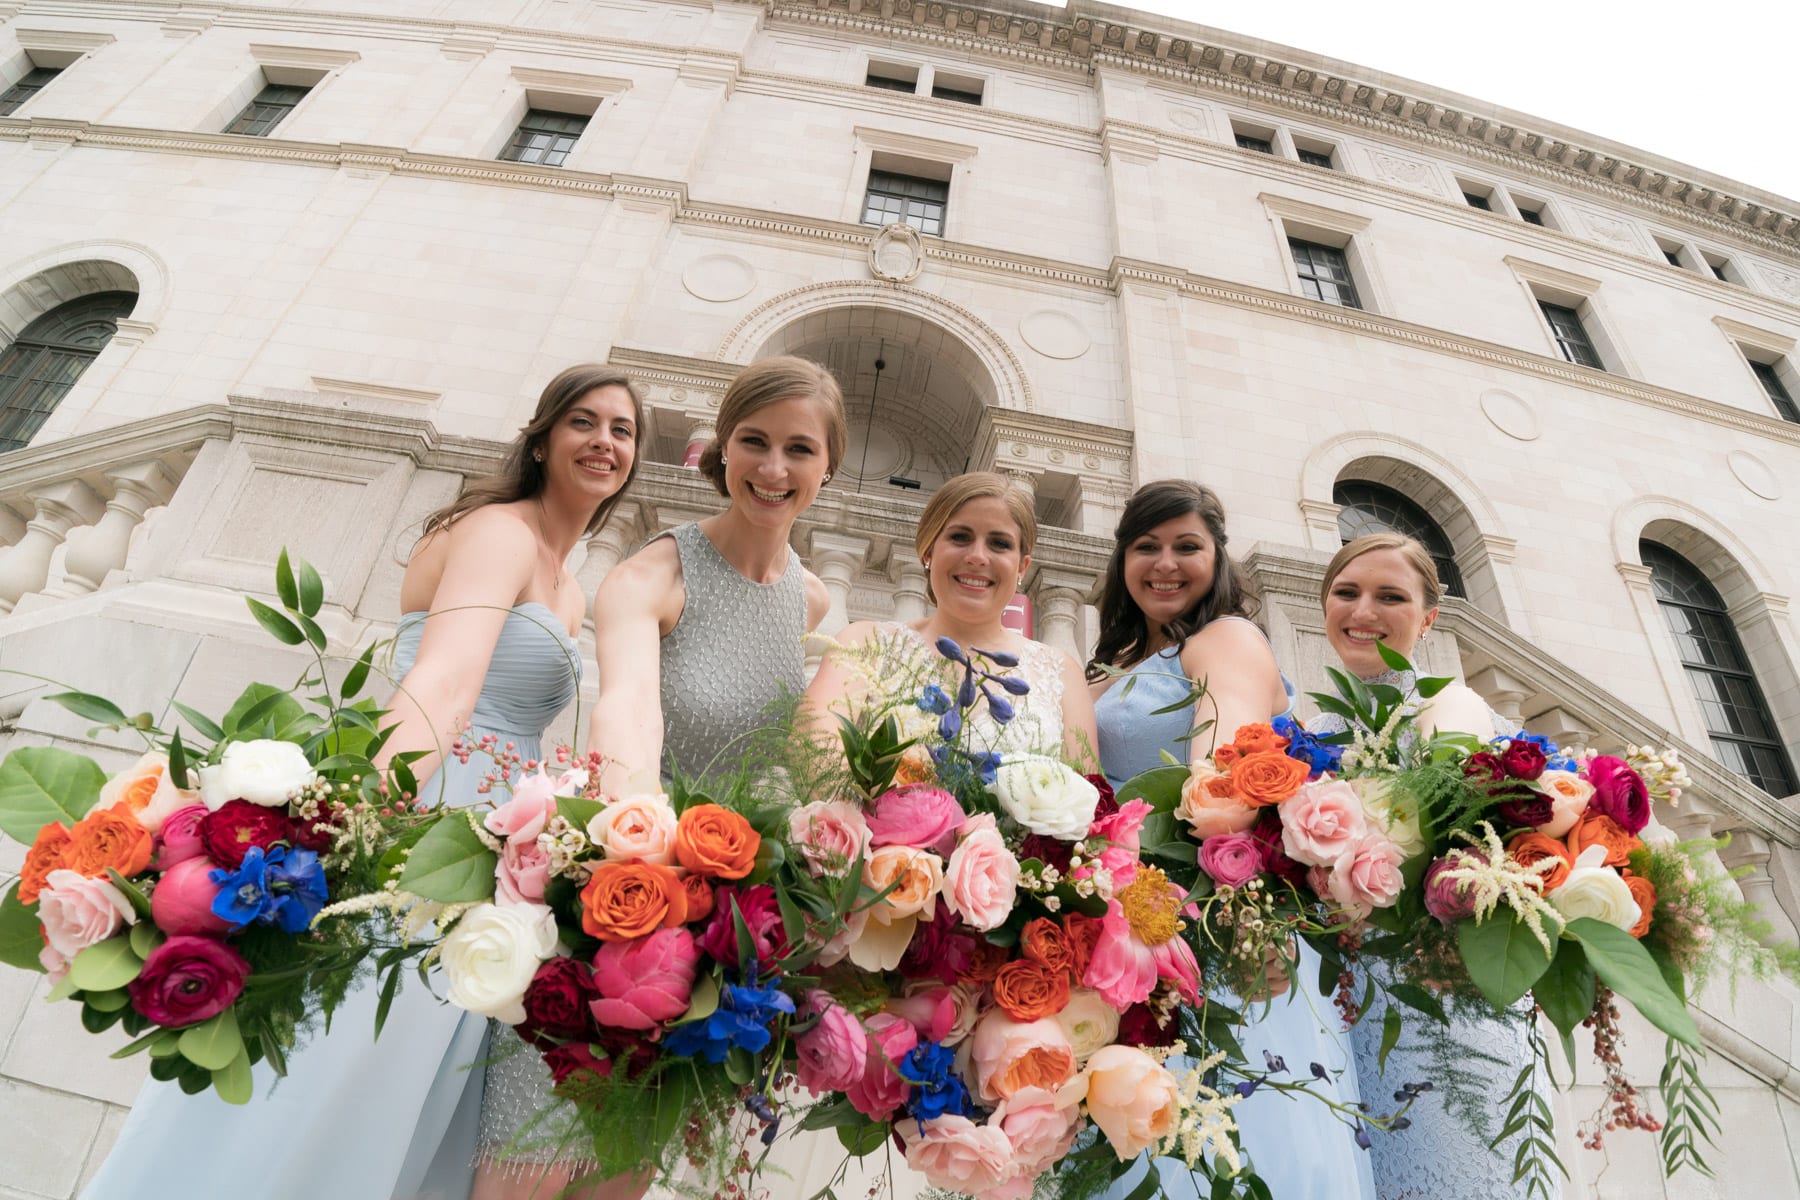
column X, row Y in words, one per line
column 896, row 254
column 1054, row 334
column 1510, row 414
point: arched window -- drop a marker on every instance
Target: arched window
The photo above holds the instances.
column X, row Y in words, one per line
column 1371, row 508
column 46, row 359
column 1737, row 717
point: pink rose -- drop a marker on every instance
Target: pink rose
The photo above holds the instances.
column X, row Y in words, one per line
column 179, row 837
column 55, row 965
column 1009, row 1056
column 523, row 872
column 831, row 835
column 1129, row 1095
column 920, row 816
column 1040, row 1130
column 146, row 789
column 77, row 912
column 1367, row 875
column 1321, row 822
column 1231, row 859
column 646, row 981
column 834, row 1053
column 982, row 881
column 182, row 900
column 930, row 1009
column 1122, row 828
column 881, row 1090
column 532, row 805
column 955, row 1153
column 1121, row 968
column 640, row 827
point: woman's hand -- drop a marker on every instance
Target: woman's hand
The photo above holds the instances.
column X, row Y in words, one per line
column 636, row 604
column 1233, row 660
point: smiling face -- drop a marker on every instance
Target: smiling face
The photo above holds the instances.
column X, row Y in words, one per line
column 776, row 459
column 976, row 560
column 1377, row 597
column 589, row 451
column 1169, row 569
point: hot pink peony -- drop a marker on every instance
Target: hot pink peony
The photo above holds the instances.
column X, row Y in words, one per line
column 77, row 912
column 187, row 980
column 1121, row 968
column 646, row 981
column 183, row 897
column 1231, row 859
column 831, row 834
column 881, row 1090
column 1321, row 822
column 920, row 816
column 982, row 881
column 834, row 1053
column 955, row 1153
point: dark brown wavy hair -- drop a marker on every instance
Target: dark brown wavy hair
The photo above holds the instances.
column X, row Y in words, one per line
column 521, row 476
column 1124, row 633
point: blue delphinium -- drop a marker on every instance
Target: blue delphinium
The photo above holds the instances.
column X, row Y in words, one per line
column 244, row 894
column 931, row 1068
column 741, row 1020
column 1308, row 748
column 934, row 700
column 280, row 886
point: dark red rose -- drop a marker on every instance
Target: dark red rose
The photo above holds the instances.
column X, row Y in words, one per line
column 556, row 1003
column 938, row 950
column 317, row 834
column 1484, row 768
column 188, row 979
column 238, row 825
column 1108, row 805
column 1523, row 808
column 1266, row 833
column 761, row 913
column 1619, row 792
column 1523, row 760
column 1140, row 1026
column 1052, row 852
column 575, row 1058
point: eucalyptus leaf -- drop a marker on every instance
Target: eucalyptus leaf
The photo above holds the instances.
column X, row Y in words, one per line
column 41, row 784
column 106, row 965
column 19, row 937
column 145, row 938
column 213, row 1043
column 234, row 1083
column 107, row 1002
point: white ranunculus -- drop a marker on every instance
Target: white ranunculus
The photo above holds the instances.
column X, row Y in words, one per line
column 1595, row 890
column 1392, row 813
column 492, row 955
column 1457, row 709
column 1046, row 796
column 264, row 772
column 1089, row 1021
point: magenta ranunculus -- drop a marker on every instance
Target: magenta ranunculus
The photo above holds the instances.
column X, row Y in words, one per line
column 1267, row 835
column 1445, row 898
column 183, row 897
column 645, row 981
column 834, row 1053
column 179, row 837
column 1619, row 792
column 1231, row 859
column 881, row 1090
column 187, row 980
column 556, row 1003
column 761, row 913
column 1523, row 760
column 923, row 817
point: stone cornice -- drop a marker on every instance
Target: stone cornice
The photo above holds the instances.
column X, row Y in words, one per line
column 93, row 454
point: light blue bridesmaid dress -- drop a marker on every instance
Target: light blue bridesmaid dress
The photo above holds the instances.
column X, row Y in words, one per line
column 360, row 1118
column 1302, row 1150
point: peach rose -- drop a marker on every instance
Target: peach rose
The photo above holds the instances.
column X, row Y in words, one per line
column 714, row 841
column 640, row 827
column 108, row 837
column 1210, row 805
column 628, row 900
column 1028, row 991
column 830, row 835
column 1528, row 848
column 78, row 912
column 1041, row 1131
column 1129, row 1095
column 1644, row 892
column 1598, row 829
column 47, row 853
column 981, row 883
column 1569, row 795
column 1321, row 822
column 1008, row 1056
column 917, row 876
column 1267, row 777
column 145, row 789
column 956, row 1154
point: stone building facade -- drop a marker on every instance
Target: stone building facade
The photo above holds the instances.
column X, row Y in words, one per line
column 287, row 273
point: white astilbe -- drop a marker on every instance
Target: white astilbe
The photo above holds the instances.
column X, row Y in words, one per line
column 1375, row 750
column 476, row 822
column 1488, row 876
column 1204, row 1121
column 415, row 917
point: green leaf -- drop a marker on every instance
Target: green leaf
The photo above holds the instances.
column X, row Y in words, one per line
column 62, row 989
column 178, row 766
column 203, row 724
column 257, row 703
column 1623, row 964
column 578, row 810
column 703, row 1000
column 1391, row 1025
column 357, row 675
column 148, row 1041
column 214, row 1043
column 234, row 1083
column 145, row 937
column 1566, row 991
column 19, row 939
column 740, row 1068
column 139, row 902
column 284, row 581
column 1395, row 660
column 278, row 626
column 314, row 635
column 1160, row 786
column 107, row 1002
column 1503, row 957
column 41, row 784
column 1151, row 1185
column 674, row 1098
column 106, row 965
column 450, row 865
column 862, row 1140
column 98, row 1020
column 312, row 589
column 94, row 708
column 1429, row 687
column 389, row 987
column 1414, row 996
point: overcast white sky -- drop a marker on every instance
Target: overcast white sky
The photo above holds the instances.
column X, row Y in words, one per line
column 1710, row 85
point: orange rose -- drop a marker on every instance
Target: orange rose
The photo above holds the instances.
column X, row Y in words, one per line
column 986, row 963
column 1027, row 990
column 1044, row 942
column 1267, row 777
column 110, row 837
column 1084, row 935
column 1529, row 848
column 699, row 897
column 1258, row 739
column 1598, row 829
column 714, row 841
column 912, row 879
column 1644, row 892
column 623, row 901
column 47, row 854
column 147, row 791
column 1224, row 756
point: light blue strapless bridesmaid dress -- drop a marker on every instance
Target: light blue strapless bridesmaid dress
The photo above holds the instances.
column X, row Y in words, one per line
column 1302, row 1150
column 360, row 1118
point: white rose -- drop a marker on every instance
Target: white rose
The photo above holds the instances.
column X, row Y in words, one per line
column 1392, row 813
column 1046, row 796
column 1089, row 1021
column 1595, row 890
column 492, row 955
column 263, row 772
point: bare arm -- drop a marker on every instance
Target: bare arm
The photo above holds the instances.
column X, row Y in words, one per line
column 1081, row 744
column 1234, row 661
column 818, row 601
column 490, row 560
column 635, row 603
column 834, row 685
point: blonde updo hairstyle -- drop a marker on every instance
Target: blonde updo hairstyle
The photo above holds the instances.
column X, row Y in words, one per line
column 1431, row 589
column 975, row 485
column 770, row 381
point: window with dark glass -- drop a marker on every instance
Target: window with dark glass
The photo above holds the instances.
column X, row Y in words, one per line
column 1372, row 508
column 544, row 138
column 1770, row 378
column 1672, row 257
column 270, row 107
column 1314, row 158
column 1717, row 267
column 1247, row 141
column 893, row 198
column 29, row 85
column 1743, row 734
column 1571, row 336
column 49, row 355
column 1324, row 273
column 889, row 84
column 1481, row 202
column 961, row 96
column 1532, row 216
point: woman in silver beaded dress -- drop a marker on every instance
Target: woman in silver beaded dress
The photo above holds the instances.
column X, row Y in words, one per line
column 696, row 635
column 1383, row 589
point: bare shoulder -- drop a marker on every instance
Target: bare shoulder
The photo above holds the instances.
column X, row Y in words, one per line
column 818, row 601
column 498, row 525
column 649, row 580
column 1226, row 642
column 856, row 633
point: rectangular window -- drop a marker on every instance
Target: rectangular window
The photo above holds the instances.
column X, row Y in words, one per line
column 29, row 85
column 1314, row 158
column 544, row 138
column 1246, row 141
column 268, row 109
column 1672, row 257
column 893, row 77
column 1481, row 202
column 1324, row 273
column 1571, row 338
column 1532, row 216
column 1719, row 267
column 964, row 89
column 940, row 92
column 1778, row 394
column 893, row 198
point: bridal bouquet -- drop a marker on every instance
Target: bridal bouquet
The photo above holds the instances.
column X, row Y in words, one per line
column 177, row 898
